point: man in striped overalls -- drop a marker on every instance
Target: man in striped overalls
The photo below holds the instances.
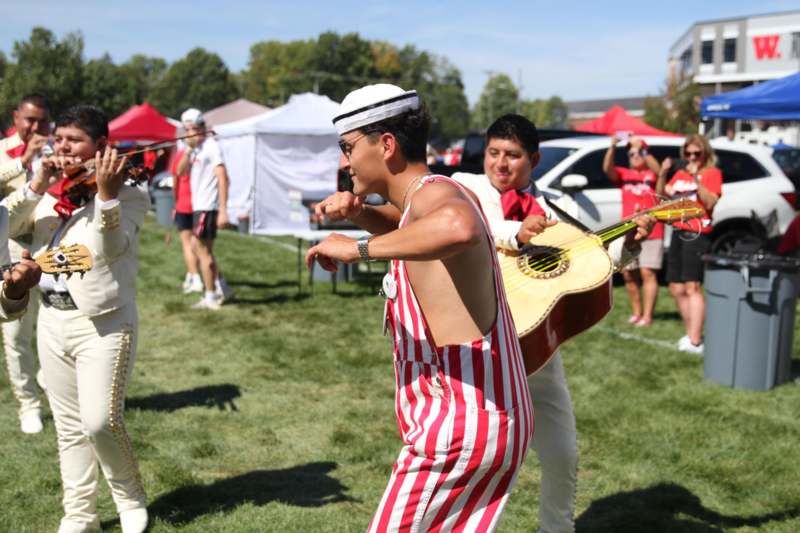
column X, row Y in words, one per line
column 462, row 403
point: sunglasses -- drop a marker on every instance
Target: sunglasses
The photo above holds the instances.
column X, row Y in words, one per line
column 633, row 153
column 693, row 153
column 347, row 147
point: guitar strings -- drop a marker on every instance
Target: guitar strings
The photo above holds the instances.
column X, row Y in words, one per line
column 516, row 278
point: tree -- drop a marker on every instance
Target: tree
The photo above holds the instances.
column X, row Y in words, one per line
column 677, row 109
column 550, row 113
column 199, row 80
column 42, row 64
column 499, row 96
column 277, row 70
column 334, row 65
column 143, row 74
column 107, row 86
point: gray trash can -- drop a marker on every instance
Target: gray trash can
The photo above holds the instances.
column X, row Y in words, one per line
column 750, row 312
column 165, row 204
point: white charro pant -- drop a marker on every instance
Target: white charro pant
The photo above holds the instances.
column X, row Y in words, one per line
column 555, row 443
column 87, row 363
column 18, row 346
column 21, row 358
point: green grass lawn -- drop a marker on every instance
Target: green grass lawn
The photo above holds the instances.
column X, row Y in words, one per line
column 276, row 414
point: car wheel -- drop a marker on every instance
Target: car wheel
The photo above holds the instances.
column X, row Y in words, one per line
column 737, row 241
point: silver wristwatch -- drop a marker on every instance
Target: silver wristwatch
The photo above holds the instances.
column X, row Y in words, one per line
column 363, row 249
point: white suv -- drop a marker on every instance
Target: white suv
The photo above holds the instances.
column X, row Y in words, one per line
column 757, row 200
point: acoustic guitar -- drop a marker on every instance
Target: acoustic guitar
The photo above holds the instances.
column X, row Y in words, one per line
column 558, row 284
column 68, row 260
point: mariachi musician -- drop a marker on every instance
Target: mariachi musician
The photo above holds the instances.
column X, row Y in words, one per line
column 18, row 154
column 511, row 203
column 87, row 326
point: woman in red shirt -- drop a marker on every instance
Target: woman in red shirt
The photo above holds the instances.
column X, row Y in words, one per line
column 638, row 184
column 701, row 180
column 183, row 221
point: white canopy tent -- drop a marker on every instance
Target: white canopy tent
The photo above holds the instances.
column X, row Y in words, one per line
column 278, row 159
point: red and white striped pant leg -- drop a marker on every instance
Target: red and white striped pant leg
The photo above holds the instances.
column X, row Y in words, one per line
column 458, row 477
column 472, row 493
column 425, row 422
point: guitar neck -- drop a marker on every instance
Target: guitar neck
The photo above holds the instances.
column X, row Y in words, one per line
column 617, row 230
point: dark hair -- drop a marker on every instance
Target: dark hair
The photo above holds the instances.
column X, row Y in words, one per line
column 411, row 129
column 86, row 117
column 515, row 128
column 36, row 100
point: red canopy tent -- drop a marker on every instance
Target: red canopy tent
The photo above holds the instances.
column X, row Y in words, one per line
column 141, row 123
column 617, row 119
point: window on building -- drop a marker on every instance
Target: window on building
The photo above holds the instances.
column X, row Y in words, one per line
column 796, row 45
column 707, row 52
column 686, row 61
column 730, row 50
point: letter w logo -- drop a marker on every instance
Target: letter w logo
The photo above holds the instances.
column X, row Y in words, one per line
column 766, row 46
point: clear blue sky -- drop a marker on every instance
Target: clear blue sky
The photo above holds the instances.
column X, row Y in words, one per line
column 577, row 50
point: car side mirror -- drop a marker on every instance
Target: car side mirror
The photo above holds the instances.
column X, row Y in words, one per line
column 572, row 183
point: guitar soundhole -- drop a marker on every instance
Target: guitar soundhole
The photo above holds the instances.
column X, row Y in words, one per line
column 542, row 262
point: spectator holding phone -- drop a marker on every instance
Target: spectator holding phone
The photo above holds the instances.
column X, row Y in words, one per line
column 701, row 181
column 638, row 183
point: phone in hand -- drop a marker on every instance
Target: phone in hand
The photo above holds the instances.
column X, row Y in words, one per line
column 624, row 135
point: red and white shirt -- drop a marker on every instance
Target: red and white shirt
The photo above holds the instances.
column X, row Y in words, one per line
column 639, row 193
column 683, row 185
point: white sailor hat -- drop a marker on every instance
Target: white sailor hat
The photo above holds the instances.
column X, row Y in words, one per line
column 372, row 104
column 192, row 116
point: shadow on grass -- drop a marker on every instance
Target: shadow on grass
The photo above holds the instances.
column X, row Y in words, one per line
column 666, row 315
column 664, row 507
column 308, row 485
column 274, row 299
column 219, row 396
column 260, row 285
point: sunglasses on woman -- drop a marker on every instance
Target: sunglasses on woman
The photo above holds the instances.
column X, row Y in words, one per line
column 693, row 153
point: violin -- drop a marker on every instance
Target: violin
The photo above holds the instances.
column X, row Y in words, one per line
column 82, row 178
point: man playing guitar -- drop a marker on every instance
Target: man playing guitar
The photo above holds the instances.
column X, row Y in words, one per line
column 510, row 200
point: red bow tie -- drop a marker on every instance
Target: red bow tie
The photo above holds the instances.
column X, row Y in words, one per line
column 519, row 205
column 67, row 203
column 17, row 151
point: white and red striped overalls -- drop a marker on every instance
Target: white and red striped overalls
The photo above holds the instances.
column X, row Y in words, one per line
column 464, row 413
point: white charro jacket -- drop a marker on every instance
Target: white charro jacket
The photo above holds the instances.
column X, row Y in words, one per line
column 9, row 309
column 110, row 233
column 12, row 174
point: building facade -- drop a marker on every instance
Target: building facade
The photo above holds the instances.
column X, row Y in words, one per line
column 728, row 54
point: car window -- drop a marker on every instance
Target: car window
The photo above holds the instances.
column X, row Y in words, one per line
column 789, row 161
column 738, row 166
column 591, row 166
column 550, row 156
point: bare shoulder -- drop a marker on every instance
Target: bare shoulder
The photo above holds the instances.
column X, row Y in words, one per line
column 439, row 194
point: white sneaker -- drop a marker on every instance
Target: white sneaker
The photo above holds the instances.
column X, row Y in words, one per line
column 682, row 342
column 696, row 349
column 31, row 423
column 210, row 305
column 192, row 284
column 222, row 289
column 133, row 520
column 68, row 526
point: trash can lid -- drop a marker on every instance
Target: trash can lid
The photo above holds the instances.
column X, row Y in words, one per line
column 757, row 260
